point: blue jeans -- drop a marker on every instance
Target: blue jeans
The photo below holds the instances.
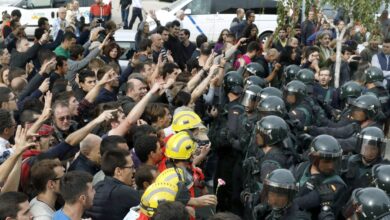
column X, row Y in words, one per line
column 125, row 17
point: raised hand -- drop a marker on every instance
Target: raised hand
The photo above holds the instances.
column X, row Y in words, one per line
column 106, row 116
column 21, row 142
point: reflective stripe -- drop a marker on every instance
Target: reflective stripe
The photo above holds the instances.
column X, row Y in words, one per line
column 181, row 116
column 193, row 22
column 180, row 142
column 159, row 190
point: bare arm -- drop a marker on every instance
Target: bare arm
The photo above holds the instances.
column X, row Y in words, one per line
column 77, row 136
column 13, row 180
column 136, row 112
column 46, row 113
column 200, row 89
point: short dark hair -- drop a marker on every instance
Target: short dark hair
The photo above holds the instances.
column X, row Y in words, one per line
column 168, row 68
column 171, row 211
column 42, row 21
column 112, row 159
column 141, row 130
column 386, row 40
column 102, row 71
column 6, row 120
column 27, row 116
column 161, row 29
column 310, row 50
column 75, row 51
column 253, row 46
column 248, row 14
column 175, row 23
column 74, row 184
column 17, row 13
column 39, row 32
column 60, row 61
column 144, row 145
column 68, row 36
column 153, row 111
column 182, row 98
column 45, row 54
column 206, row 49
column 83, row 74
column 111, row 142
column 4, row 94
column 42, row 172
column 10, row 204
column 186, row 32
column 200, row 39
column 144, row 44
column 144, row 174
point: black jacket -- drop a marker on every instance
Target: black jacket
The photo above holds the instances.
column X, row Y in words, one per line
column 82, row 163
column 113, row 200
column 20, row 60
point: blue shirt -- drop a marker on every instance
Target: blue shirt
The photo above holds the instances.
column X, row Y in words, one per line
column 60, row 215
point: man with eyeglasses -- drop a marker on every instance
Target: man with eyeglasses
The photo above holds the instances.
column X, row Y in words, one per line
column 62, row 121
column 45, row 177
column 114, row 195
column 382, row 61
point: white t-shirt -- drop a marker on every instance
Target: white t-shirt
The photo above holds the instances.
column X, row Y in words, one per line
column 40, row 210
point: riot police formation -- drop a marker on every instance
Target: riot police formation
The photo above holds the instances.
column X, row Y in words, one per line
column 332, row 147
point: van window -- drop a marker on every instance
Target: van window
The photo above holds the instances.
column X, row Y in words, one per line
column 38, row 3
column 86, row 3
column 200, row 7
column 259, row 7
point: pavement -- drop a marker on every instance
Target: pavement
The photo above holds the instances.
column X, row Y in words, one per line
column 147, row 4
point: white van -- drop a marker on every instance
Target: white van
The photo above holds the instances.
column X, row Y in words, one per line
column 210, row 17
column 32, row 10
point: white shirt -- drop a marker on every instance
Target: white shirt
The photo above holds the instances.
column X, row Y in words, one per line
column 40, row 210
column 57, row 25
column 4, row 145
column 137, row 3
column 375, row 62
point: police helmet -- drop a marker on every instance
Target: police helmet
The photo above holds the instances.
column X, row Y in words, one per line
column 272, row 105
column 381, row 177
column 233, row 82
column 306, row 76
column 371, row 139
column 369, row 104
column 255, row 80
column 325, row 147
column 270, row 91
column 281, row 181
column 290, row 72
column 368, row 203
column 255, row 69
column 296, row 88
column 350, row 90
column 251, row 96
column 373, row 74
column 273, row 129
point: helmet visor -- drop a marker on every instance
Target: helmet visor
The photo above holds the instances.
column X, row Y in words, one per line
column 371, row 147
column 249, row 99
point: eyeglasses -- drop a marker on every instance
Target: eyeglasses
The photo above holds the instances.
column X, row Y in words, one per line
column 129, row 167
column 63, row 118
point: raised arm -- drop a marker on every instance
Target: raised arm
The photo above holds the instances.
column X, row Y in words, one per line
column 136, row 112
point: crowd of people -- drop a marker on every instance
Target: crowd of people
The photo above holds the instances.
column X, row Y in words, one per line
column 233, row 129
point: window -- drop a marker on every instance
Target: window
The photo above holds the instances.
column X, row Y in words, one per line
column 86, row 3
column 259, row 6
column 200, row 7
column 38, row 3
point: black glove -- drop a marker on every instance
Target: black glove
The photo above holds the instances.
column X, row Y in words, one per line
column 326, row 193
column 298, row 125
column 183, row 194
column 260, row 211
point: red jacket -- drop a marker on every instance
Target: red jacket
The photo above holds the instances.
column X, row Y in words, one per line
column 100, row 11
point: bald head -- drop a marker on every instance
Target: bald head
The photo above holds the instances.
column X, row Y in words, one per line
column 157, row 41
column 90, row 144
column 18, row 84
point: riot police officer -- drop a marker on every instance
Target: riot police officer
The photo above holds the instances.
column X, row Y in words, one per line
column 365, row 111
column 349, row 91
column 320, row 188
column 298, row 108
column 368, row 203
column 240, row 142
column 374, row 84
column 381, row 177
column 289, row 73
column 270, row 91
column 279, row 190
column 272, row 105
column 265, row 154
column 371, row 145
column 224, row 125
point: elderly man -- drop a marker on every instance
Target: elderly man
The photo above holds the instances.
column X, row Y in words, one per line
column 62, row 120
column 136, row 89
column 89, row 157
column 60, row 23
